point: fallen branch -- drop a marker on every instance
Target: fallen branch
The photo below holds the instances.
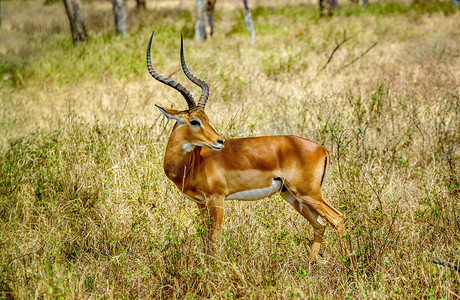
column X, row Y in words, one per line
column 345, row 39
column 442, row 263
column 172, row 73
column 354, row 60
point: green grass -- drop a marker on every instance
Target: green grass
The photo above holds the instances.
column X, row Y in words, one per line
column 415, row 8
column 63, row 63
column 105, row 54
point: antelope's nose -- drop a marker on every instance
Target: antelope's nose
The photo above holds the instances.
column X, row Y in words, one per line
column 221, row 142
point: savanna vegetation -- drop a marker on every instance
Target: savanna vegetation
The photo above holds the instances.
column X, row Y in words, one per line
column 87, row 212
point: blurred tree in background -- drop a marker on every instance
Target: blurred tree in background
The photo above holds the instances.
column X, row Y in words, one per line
column 141, row 4
column 76, row 20
column 120, row 16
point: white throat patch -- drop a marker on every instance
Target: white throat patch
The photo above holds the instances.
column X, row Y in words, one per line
column 188, row 147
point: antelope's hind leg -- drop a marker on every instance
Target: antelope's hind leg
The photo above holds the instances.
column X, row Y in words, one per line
column 315, row 220
column 317, row 204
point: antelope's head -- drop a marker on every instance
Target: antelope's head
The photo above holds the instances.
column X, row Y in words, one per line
column 192, row 124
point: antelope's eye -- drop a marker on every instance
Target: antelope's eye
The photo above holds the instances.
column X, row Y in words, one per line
column 195, row 123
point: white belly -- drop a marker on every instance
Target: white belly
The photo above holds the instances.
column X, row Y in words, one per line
column 257, row 193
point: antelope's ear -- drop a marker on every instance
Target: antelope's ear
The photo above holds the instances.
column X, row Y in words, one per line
column 170, row 113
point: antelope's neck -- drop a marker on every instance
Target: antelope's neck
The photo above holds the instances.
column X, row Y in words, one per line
column 178, row 159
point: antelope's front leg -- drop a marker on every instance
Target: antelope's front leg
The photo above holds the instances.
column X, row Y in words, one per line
column 216, row 214
column 204, row 228
column 204, row 219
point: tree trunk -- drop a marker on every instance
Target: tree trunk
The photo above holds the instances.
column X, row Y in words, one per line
column 141, row 4
column 327, row 6
column 210, row 4
column 200, row 29
column 49, row 2
column 76, row 20
column 248, row 19
column 357, row 2
column 121, row 19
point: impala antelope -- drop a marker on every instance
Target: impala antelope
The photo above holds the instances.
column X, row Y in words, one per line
column 209, row 169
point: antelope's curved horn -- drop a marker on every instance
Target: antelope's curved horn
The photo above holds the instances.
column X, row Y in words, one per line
column 204, row 87
column 177, row 86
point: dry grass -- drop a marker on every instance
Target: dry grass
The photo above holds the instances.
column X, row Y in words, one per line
column 87, row 212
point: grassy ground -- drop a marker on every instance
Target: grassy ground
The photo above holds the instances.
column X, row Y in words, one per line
column 87, row 212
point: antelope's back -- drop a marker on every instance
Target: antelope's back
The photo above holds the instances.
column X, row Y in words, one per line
column 267, row 153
